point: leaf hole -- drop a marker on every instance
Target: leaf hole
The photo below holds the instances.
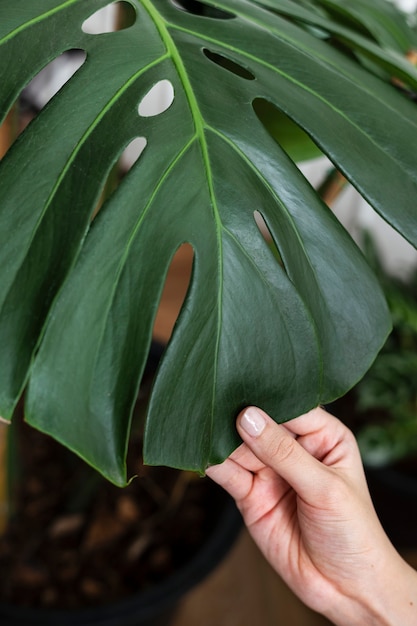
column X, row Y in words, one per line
column 127, row 159
column 109, row 19
column 37, row 93
column 50, row 80
column 131, row 154
column 204, row 10
column 174, row 292
column 228, row 64
column 158, row 99
column 287, row 133
column 266, row 234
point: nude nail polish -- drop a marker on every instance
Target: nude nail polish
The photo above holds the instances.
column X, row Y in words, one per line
column 253, row 422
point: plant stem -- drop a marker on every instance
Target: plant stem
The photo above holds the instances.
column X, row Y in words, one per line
column 5, row 136
column 4, row 495
column 8, row 131
column 331, row 187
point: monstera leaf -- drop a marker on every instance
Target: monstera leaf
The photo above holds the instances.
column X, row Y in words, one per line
column 79, row 295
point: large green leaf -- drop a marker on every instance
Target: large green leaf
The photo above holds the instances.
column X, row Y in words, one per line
column 77, row 303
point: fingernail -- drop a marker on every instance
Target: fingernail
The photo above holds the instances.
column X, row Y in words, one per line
column 253, row 422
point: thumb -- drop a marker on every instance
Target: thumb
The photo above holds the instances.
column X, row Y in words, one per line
column 276, row 446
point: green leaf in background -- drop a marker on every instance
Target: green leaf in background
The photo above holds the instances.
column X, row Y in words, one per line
column 386, row 397
column 379, row 19
column 375, row 31
column 78, row 298
column 289, row 135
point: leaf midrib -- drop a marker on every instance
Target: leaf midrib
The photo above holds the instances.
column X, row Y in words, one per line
column 162, row 26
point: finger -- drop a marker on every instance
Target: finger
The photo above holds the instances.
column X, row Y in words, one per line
column 246, row 458
column 324, row 436
column 275, row 446
column 234, row 478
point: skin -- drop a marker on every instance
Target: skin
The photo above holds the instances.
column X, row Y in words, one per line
column 303, row 495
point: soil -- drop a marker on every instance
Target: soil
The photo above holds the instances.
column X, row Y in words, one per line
column 74, row 540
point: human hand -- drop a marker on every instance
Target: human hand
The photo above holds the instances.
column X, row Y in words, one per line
column 303, row 495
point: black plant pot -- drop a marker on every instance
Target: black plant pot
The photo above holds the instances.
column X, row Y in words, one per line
column 153, row 607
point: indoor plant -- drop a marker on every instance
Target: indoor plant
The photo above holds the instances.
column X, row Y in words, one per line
column 284, row 335
column 78, row 302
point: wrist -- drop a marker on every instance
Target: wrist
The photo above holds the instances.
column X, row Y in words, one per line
column 389, row 598
column 397, row 600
